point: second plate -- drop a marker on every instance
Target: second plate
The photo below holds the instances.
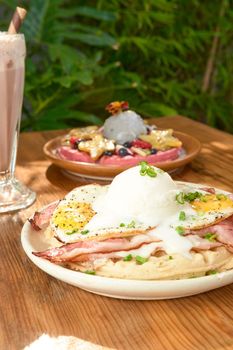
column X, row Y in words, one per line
column 191, row 148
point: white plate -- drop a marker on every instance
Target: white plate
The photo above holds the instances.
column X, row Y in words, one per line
column 120, row 288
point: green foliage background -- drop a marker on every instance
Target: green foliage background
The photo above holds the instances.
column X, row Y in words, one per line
column 153, row 53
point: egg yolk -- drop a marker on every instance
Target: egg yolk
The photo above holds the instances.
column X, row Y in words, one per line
column 212, row 202
column 73, row 216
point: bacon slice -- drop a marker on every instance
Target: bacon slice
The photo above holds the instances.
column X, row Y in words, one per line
column 111, row 248
column 208, row 189
column 41, row 218
column 199, row 244
column 153, row 246
column 202, row 243
column 70, row 251
column 223, row 231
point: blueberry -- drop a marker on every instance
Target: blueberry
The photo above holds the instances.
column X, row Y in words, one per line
column 127, row 144
column 123, row 152
column 75, row 146
column 153, row 151
column 108, row 153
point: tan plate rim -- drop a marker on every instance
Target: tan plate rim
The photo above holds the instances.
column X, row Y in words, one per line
column 191, row 145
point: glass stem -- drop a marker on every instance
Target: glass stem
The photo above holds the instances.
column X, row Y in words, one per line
column 14, row 150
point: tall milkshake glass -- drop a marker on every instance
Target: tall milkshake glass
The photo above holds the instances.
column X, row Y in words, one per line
column 13, row 194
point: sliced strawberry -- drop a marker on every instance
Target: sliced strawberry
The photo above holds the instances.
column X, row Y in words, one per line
column 73, row 140
column 141, row 144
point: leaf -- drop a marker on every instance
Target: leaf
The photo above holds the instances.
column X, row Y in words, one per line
column 156, row 109
column 83, row 77
column 11, row 3
column 97, row 39
column 87, row 118
column 33, row 24
column 90, row 12
column 163, row 17
column 61, row 117
column 67, row 55
column 142, row 44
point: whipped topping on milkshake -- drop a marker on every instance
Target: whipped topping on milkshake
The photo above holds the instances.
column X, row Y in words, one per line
column 12, row 47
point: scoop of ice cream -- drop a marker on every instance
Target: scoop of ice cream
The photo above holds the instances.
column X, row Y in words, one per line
column 131, row 195
column 143, row 198
column 124, row 127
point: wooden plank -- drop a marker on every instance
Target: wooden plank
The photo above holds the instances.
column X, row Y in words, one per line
column 33, row 303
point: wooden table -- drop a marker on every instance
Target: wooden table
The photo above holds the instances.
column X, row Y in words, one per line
column 33, row 303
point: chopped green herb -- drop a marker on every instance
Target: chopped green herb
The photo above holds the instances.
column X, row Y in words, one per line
column 191, row 196
column 211, row 272
column 71, row 232
column 203, row 199
column 182, row 216
column 200, row 213
column 84, row 232
column 180, row 230
column 210, row 236
column 220, row 196
column 180, row 198
column 128, row 257
column 170, row 257
column 143, row 168
column 140, row 260
column 151, row 172
column 146, row 169
column 131, row 224
column 90, row 272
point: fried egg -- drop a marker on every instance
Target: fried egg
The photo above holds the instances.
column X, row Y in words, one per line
column 206, row 210
column 74, row 212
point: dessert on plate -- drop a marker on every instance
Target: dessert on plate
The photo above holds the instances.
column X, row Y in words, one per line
column 124, row 139
column 143, row 226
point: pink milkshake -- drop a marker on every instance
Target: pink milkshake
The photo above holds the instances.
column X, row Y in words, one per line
column 13, row 194
column 12, row 56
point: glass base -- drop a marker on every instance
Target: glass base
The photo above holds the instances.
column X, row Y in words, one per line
column 14, row 196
